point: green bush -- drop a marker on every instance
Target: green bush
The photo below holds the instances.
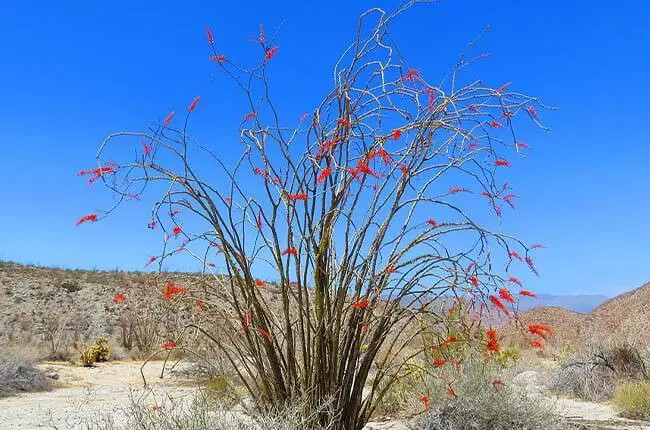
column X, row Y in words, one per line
column 633, row 400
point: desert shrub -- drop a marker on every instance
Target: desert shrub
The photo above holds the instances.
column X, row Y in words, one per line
column 20, row 375
column 481, row 401
column 633, row 400
column 593, row 374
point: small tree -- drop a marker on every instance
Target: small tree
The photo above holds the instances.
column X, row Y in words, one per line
column 364, row 212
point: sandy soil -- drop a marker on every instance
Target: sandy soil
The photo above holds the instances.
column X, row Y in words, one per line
column 82, row 393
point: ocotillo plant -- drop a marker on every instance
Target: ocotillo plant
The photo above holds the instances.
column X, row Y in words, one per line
column 363, row 211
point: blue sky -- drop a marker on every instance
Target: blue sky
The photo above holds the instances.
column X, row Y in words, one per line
column 72, row 72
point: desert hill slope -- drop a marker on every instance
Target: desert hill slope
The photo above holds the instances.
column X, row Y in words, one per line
column 622, row 318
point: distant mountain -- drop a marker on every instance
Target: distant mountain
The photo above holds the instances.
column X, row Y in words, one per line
column 582, row 303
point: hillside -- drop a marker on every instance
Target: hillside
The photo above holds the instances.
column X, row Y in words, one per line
column 625, row 317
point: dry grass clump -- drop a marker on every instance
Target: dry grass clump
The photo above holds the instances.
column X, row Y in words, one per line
column 633, row 400
column 19, row 375
column 594, row 373
column 203, row 414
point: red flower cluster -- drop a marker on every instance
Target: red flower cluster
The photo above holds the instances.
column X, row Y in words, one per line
column 361, row 304
column 493, row 342
column 294, row 197
column 323, row 175
column 172, row 289
column 119, row 298
column 504, row 293
column 193, row 104
column 499, row 304
column 87, row 218
column 540, row 330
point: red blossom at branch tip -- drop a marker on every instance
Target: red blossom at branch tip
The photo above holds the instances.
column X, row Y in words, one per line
column 146, row 148
column 218, row 58
column 397, row 134
column 537, row 344
column 270, row 53
column 250, row 115
column 299, row 196
column 208, row 32
column 172, row 290
column 344, row 122
column 365, row 169
column 533, row 112
column 540, row 330
column 515, row 281
column 508, row 199
column 151, row 260
column 501, row 162
column 529, row 261
column 169, row 345
column 259, row 283
column 290, row 251
column 411, row 75
column 528, row 294
column 361, row 304
column 499, row 304
column 169, row 117
column 193, row 104
column 503, row 87
column 424, row 399
column 259, row 220
column 456, row 190
column 495, row 124
column 521, row 145
column 87, row 218
column 439, row 362
column 432, row 222
column 514, row 254
column 536, row 245
column 493, row 342
column 504, row 293
column 323, row 175
column 119, row 298
column 474, row 280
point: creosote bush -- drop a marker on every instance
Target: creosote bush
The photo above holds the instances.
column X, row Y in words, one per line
column 361, row 212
